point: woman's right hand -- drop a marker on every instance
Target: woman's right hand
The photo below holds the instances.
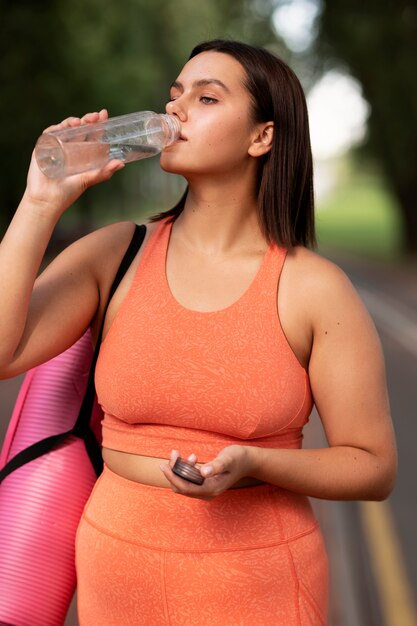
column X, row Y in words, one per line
column 54, row 196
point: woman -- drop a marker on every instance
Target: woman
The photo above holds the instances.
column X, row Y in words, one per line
column 224, row 331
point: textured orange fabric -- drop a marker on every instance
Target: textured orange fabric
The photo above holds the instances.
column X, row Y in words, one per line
column 250, row 557
column 171, row 378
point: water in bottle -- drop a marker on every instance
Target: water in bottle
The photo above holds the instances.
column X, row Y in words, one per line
column 129, row 138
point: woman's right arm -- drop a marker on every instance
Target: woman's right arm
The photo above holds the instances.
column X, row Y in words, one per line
column 41, row 317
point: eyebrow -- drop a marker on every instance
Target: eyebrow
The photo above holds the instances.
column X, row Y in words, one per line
column 202, row 83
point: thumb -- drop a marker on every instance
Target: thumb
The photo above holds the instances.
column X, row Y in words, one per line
column 100, row 175
column 217, row 466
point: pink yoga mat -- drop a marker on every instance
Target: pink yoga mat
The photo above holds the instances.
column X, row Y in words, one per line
column 41, row 502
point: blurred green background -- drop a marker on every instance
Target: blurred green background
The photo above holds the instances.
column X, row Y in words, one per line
column 65, row 58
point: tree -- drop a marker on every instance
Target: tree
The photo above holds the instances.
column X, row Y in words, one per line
column 378, row 42
column 65, row 58
column 33, row 78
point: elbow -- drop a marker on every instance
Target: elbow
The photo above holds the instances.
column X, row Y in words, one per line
column 383, row 492
column 6, row 366
column 386, row 488
column 5, row 374
column 385, row 481
column 4, row 371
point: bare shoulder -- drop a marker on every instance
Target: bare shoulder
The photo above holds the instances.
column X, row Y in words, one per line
column 322, row 289
column 102, row 240
column 107, row 239
column 314, row 269
column 101, row 250
column 118, row 233
column 110, row 243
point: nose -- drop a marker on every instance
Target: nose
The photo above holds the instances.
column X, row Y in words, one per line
column 174, row 107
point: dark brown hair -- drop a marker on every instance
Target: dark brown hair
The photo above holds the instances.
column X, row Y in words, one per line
column 285, row 181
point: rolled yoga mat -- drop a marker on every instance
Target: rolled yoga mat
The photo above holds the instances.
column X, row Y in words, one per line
column 42, row 501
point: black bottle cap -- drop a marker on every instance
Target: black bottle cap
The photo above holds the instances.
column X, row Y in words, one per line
column 188, row 471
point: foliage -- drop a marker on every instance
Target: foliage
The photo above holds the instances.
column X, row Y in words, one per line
column 360, row 214
column 59, row 58
column 34, row 81
column 65, row 58
column 378, row 43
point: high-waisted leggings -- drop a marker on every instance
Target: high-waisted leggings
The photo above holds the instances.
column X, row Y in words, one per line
column 147, row 556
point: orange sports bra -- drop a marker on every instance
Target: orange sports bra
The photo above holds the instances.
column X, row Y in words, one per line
column 170, row 378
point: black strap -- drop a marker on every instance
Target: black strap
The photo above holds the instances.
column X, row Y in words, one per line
column 82, row 427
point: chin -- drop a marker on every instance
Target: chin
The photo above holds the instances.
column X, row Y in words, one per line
column 172, row 166
column 168, row 164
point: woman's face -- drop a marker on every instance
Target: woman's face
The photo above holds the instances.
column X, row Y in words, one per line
column 214, row 107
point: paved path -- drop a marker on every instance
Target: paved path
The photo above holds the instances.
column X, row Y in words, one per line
column 384, row 546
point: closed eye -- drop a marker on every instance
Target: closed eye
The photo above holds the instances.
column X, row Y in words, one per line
column 203, row 99
column 208, row 100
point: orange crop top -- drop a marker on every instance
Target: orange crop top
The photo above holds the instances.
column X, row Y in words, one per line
column 170, row 378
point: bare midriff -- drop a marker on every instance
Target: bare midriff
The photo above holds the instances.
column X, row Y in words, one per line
column 146, row 469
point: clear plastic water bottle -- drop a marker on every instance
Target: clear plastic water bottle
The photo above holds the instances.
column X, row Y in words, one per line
column 129, row 138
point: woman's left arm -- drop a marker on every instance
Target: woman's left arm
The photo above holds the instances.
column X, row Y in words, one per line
column 347, row 377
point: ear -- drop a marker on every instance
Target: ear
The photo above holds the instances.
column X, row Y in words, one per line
column 262, row 139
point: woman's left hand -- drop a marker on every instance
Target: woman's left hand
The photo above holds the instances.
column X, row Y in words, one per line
column 229, row 466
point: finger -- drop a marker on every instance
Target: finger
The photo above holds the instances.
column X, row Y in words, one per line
column 182, row 486
column 170, row 476
column 214, row 468
column 207, row 470
column 90, row 118
column 76, row 121
column 192, row 459
column 173, row 457
column 67, row 123
column 207, row 491
column 71, row 121
column 94, row 177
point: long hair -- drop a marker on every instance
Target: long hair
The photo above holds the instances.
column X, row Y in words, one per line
column 285, row 176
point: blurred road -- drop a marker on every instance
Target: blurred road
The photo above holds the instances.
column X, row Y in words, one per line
column 372, row 546
column 379, row 540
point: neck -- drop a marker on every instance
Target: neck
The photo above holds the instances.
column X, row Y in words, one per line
column 219, row 220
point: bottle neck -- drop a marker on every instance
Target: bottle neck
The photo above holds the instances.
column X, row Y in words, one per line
column 172, row 127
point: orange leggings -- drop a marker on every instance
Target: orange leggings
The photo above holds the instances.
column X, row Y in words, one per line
column 147, row 556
